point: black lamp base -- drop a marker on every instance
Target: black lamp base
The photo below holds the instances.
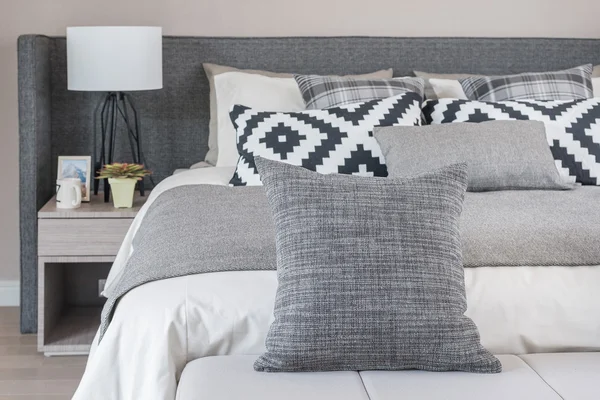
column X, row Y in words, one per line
column 117, row 104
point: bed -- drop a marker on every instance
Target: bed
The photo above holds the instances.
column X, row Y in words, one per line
column 175, row 120
column 160, row 326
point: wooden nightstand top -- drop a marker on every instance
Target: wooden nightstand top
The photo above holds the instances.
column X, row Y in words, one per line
column 96, row 208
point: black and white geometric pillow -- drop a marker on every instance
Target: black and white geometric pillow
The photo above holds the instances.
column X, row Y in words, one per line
column 572, row 128
column 336, row 140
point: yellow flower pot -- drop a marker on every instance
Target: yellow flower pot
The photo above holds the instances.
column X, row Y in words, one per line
column 122, row 191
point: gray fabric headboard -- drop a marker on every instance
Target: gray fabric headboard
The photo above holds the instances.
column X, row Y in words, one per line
column 54, row 121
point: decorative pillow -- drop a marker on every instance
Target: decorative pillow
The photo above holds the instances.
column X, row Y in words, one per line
column 571, row 84
column 256, row 91
column 271, row 98
column 501, row 155
column 370, row 273
column 572, row 128
column 320, row 92
column 431, row 95
column 336, row 140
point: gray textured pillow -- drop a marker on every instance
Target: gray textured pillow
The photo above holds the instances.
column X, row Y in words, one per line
column 370, row 273
column 501, row 155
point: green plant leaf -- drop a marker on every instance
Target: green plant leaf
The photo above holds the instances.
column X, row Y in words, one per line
column 123, row 171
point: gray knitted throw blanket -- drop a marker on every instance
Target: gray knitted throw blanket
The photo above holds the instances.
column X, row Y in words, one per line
column 197, row 229
column 206, row 228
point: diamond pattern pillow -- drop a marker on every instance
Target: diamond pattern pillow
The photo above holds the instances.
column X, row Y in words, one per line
column 320, row 92
column 370, row 273
column 572, row 128
column 336, row 140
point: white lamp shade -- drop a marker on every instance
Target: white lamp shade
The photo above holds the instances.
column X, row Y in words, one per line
column 114, row 58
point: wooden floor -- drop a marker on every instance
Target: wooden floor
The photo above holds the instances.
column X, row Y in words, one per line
column 26, row 374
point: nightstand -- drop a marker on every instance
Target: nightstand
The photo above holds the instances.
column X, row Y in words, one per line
column 75, row 251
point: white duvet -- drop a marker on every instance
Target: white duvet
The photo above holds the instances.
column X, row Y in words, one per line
column 160, row 326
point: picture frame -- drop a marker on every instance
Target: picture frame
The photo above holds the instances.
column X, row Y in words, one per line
column 77, row 167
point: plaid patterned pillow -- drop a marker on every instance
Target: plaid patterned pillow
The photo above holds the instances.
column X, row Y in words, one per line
column 570, row 84
column 322, row 92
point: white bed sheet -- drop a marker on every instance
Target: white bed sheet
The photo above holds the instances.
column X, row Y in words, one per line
column 160, row 326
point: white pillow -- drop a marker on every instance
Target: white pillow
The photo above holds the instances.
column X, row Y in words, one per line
column 448, row 89
column 258, row 92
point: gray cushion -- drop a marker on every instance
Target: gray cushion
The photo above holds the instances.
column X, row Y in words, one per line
column 321, row 92
column 370, row 273
column 572, row 128
column 501, row 155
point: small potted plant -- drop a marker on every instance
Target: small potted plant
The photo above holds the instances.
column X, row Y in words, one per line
column 122, row 178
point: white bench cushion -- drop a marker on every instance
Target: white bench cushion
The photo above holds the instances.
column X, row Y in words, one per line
column 574, row 376
column 517, row 381
column 234, row 378
column 568, row 376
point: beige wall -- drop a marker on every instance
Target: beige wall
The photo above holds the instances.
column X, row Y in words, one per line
column 549, row 18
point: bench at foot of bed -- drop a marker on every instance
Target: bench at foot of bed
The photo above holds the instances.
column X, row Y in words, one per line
column 568, row 376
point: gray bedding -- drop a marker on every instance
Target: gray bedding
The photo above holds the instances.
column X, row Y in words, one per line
column 205, row 228
column 534, row 228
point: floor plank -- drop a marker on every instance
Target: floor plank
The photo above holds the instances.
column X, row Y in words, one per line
column 64, row 387
column 18, row 350
column 26, row 374
column 10, row 313
column 72, row 372
column 10, row 331
column 18, row 340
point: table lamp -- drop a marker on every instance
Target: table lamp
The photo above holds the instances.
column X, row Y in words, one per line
column 115, row 60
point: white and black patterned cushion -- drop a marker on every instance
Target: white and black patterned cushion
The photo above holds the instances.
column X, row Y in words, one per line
column 570, row 84
column 336, row 140
column 320, row 92
column 572, row 128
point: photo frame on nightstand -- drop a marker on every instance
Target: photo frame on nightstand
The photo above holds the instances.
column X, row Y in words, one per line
column 77, row 167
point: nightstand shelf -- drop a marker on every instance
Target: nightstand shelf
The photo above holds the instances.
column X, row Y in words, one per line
column 74, row 331
column 75, row 250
